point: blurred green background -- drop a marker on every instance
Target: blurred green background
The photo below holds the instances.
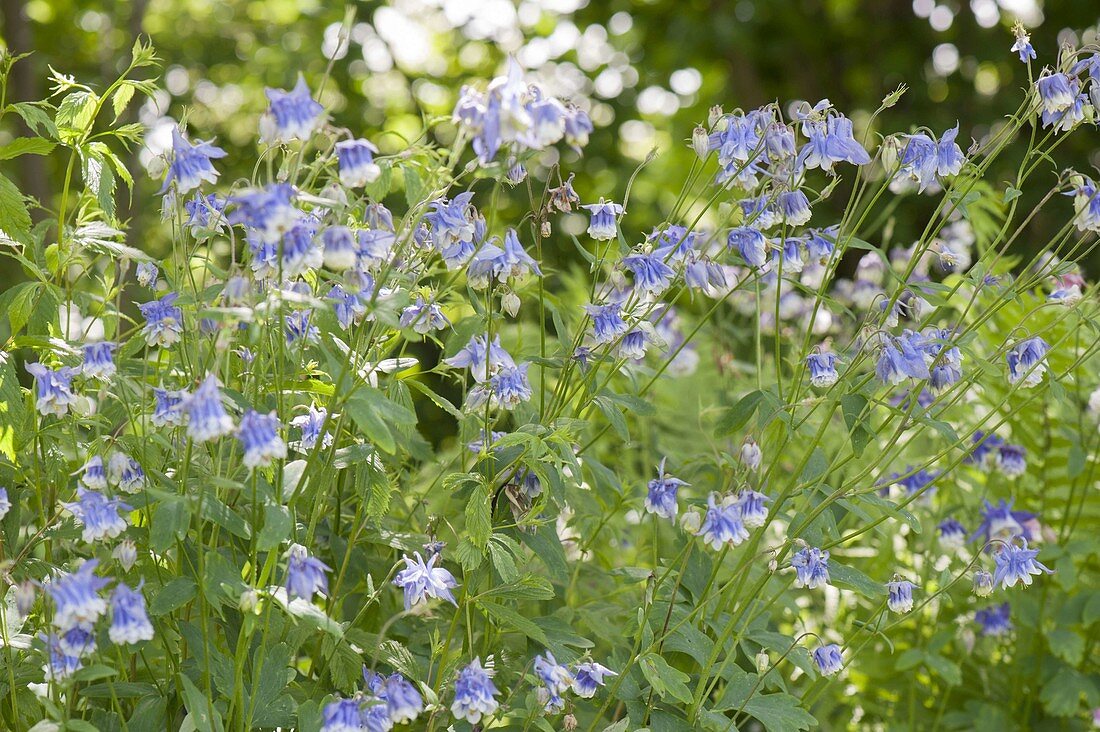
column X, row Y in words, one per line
column 649, row 70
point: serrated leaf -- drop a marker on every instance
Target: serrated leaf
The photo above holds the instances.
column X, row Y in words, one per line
column 665, row 680
column 26, row 146
column 479, row 521
column 779, row 713
column 15, row 219
column 121, row 98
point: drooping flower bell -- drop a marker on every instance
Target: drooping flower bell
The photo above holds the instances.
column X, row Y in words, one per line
column 98, row 360
column 1017, row 564
column 260, row 440
column 129, row 620
column 98, row 514
column 475, row 693
column 900, row 598
column 305, row 574
column 604, row 223
column 589, row 676
column 607, row 322
column 54, row 389
column 555, row 680
column 811, row 567
column 1027, row 361
column 291, row 115
column 191, row 164
column 995, row 620
column 356, row 161
column 163, row 321
column 722, row 524
column 822, row 368
column 206, row 415
column 829, row 659
column 661, row 497
column 76, row 597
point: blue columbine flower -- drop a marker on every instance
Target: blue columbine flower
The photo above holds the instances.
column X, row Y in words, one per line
column 267, row 212
column 822, row 369
column 163, row 321
column 1000, row 522
column 607, row 322
column 1067, row 119
column 754, row 513
column 342, row 715
column 291, row 115
column 375, row 247
column 59, row 665
column 604, row 224
column 723, row 523
column 900, row 598
column 983, row 448
column 191, row 164
column 1027, row 361
column 422, row 580
column 403, row 701
column 78, row 641
column 356, row 160
column 1011, row 460
column 147, row 274
column 673, row 239
column 902, row 357
column 811, row 567
column 829, row 659
column 794, row 207
column 555, row 680
column 474, row 693
column 76, row 597
column 299, row 328
column 300, row 253
column 305, row 575
column 510, row 386
column 311, row 423
column 751, row 244
column 5, row 503
column 651, row 274
column 98, row 514
column 952, row 534
column 703, row 273
column 589, row 676
column 1022, row 45
column 1017, row 564
column 830, row 141
column 259, row 437
column 98, row 360
column 204, row 212
column 661, row 497
column 945, row 358
column 423, row 316
column 454, row 229
column 482, row 358
column 1057, row 92
column 93, row 474
column 129, row 621
column 994, row 619
column 348, row 307
column 508, row 261
column 1086, row 203
column 376, row 717
column 340, row 249
column 915, row 482
column 926, row 160
column 126, row 472
column 578, row 126
column 168, row 408
column 206, row 416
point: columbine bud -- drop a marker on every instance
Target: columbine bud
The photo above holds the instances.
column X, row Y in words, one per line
column 773, row 565
column 250, row 601
column 751, row 454
column 762, row 661
column 569, row 723
column 700, row 142
column 983, row 583
column 24, row 597
column 125, row 554
column 691, row 521
column 510, row 303
column 545, row 229
column 714, row 115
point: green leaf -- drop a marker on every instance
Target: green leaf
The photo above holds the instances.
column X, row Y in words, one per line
column 15, row 219
column 26, row 146
column 200, row 709
column 277, row 525
column 373, row 413
column 614, row 415
column 853, row 407
column 1066, row 645
column 121, row 98
column 739, row 414
column 414, row 186
column 850, row 577
column 479, row 521
column 512, row 619
column 946, row 669
column 74, row 115
column 1061, row 696
column 22, row 305
column 170, row 521
column 214, row 510
column 665, row 680
column 172, row 596
column 779, row 713
column 12, row 410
